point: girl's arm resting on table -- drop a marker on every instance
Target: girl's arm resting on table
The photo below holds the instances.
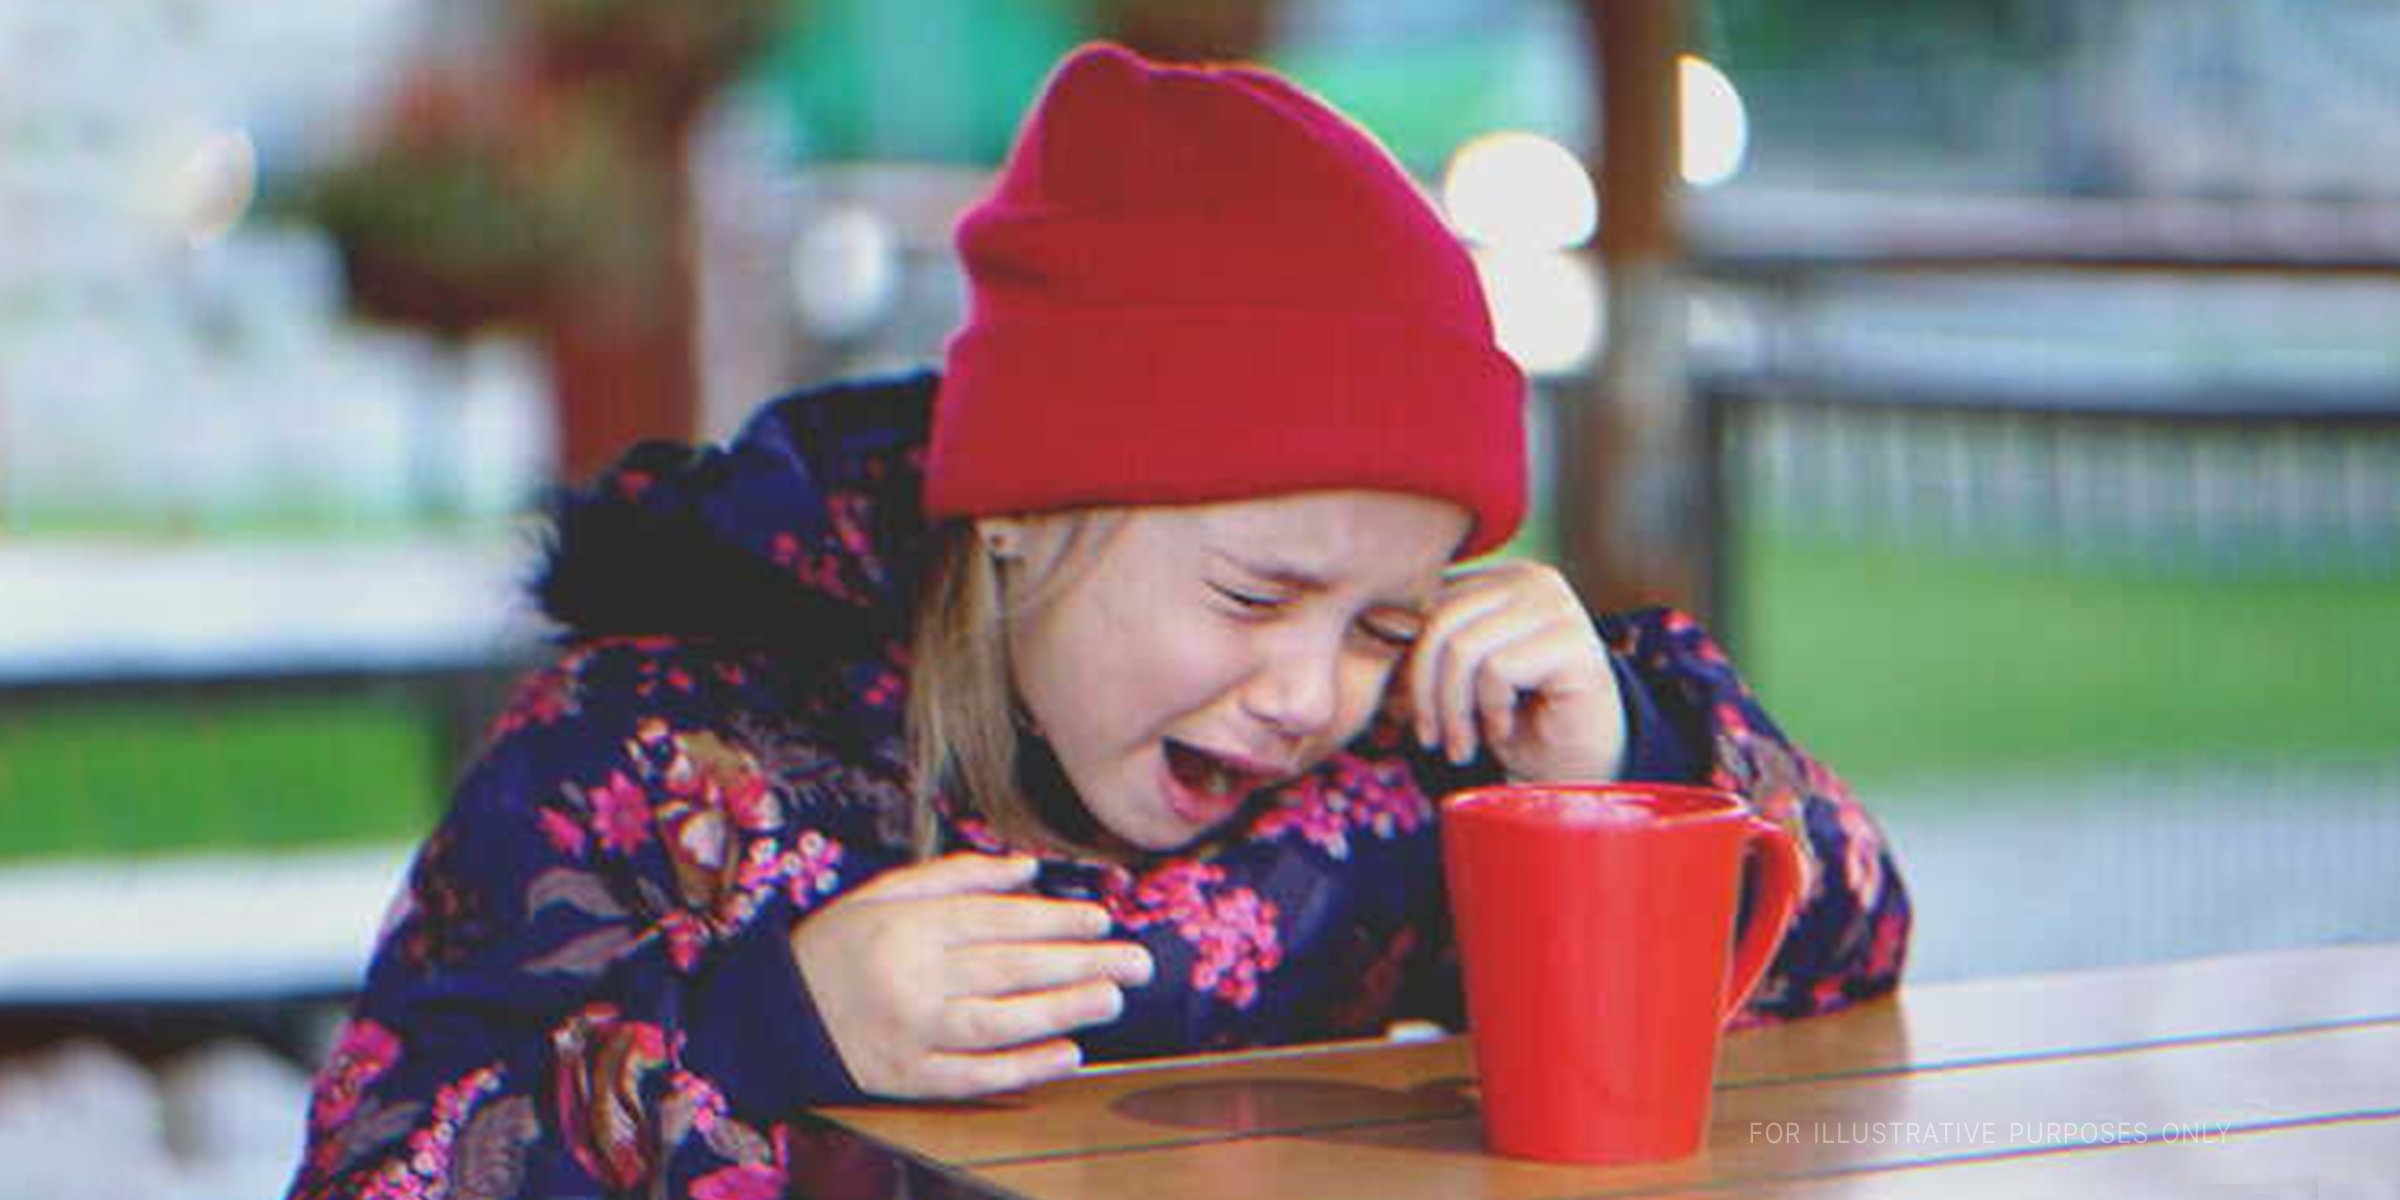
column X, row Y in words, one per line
column 1850, row 937
column 587, row 985
column 1689, row 718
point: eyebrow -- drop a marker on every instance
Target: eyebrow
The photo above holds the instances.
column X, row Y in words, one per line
column 1300, row 579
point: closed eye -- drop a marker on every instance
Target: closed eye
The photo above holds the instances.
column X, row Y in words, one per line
column 1389, row 637
column 1248, row 601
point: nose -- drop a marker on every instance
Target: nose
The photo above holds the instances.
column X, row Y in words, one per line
column 1297, row 688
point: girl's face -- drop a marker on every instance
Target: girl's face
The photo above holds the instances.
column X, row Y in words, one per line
column 1201, row 653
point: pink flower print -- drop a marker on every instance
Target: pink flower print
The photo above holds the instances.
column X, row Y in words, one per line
column 882, row 689
column 1862, row 854
column 976, row 832
column 431, row 1149
column 696, row 1096
column 764, row 867
column 1377, row 797
column 1237, row 944
column 1316, row 813
column 1166, row 894
column 685, row 935
column 816, row 868
column 631, row 484
column 847, row 511
column 621, row 812
column 601, row 1063
column 366, row 1050
column 564, row 833
column 1233, row 932
column 750, row 1181
column 542, row 699
column 716, row 773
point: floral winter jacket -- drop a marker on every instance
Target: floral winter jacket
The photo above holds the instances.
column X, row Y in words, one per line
column 587, row 988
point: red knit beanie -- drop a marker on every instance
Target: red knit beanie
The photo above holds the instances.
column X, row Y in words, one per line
column 1194, row 284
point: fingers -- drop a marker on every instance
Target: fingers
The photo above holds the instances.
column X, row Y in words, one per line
column 951, row 875
column 1001, row 969
column 1503, row 644
column 971, row 919
column 956, row 1076
column 1432, row 666
column 997, row 1022
column 1469, row 675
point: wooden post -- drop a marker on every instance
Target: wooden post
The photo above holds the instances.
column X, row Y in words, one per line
column 1633, row 501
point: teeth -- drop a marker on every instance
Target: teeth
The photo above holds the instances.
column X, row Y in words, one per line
column 1220, row 780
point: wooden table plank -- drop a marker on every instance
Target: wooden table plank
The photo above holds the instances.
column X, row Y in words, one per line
column 1928, row 1028
column 2084, row 1012
column 1368, row 1081
column 2351, row 1159
column 2065, row 1105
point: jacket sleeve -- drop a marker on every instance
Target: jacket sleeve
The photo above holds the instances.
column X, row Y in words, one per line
column 586, row 986
column 1850, row 937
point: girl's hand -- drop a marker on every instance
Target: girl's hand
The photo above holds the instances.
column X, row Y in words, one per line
column 934, row 981
column 1508, row 659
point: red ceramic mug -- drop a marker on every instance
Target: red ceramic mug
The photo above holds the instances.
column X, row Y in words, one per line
column 1596, row 924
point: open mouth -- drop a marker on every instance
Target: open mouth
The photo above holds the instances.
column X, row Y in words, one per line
column 1210, row 775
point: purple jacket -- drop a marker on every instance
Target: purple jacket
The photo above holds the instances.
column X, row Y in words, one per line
column 587, row 986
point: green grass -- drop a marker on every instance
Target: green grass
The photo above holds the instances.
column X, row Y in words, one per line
column 139, row 777
column 1896, row 665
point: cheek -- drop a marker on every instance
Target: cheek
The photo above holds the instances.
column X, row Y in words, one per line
column 1146, row 664
column 1365, row 679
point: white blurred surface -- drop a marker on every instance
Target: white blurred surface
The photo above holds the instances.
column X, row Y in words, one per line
column 92, row 609
column 82, row 1121
column 193, row 928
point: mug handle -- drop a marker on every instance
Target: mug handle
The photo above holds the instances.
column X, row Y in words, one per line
column 1779, row 897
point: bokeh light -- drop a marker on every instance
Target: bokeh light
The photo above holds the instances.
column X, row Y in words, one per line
column 1546, row 307
column 1520, row 191
column 213, row 186
column 1716, row 130
column 845, row 271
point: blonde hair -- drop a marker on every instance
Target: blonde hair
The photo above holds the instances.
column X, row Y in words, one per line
column 962, row 710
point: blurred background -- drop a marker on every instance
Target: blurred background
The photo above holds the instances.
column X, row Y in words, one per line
column 2012, row 384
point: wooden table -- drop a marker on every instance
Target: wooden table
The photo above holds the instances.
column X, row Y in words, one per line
column 2274, row 1075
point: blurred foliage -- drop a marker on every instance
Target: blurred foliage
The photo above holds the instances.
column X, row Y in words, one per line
column 118, row 777
column 498, row 190
column 1923, row 33
column 1899, row 664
